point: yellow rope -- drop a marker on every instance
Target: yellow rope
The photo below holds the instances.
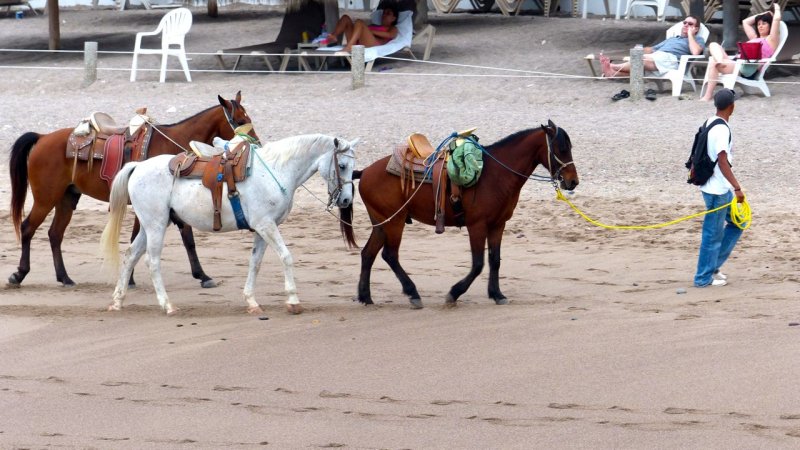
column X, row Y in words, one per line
column 740, row 215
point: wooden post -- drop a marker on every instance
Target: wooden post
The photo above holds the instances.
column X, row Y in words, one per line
column 357, row 66
column 89, row 63
column 55, row 30
column 637, row 72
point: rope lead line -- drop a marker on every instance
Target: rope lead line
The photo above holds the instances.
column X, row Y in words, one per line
column 741, row 216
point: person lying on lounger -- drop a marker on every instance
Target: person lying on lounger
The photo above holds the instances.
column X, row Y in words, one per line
column 359, row 32
column 663, row 56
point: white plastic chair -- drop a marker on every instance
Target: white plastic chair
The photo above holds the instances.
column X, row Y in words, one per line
column 659, row 5
column 683, row 73
column 173, row 28
column 749, row 85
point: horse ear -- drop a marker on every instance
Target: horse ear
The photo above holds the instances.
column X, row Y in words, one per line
column 551, row 124
column 354, row 142
column 239, row 97
column 222, row 101
column 336, row 143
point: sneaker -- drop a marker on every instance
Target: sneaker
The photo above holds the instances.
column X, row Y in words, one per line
column 719, row 282
column 720, row 276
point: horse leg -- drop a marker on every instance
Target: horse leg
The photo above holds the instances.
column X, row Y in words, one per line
column 197, row 270
column 374, row 244
column 61, row 220
column 134, row 233
column 259, row 247
column 391, row 254
column 269, row 232
column 27, row 229
column 155, row 244
column 494, row 240
column 132, row 256
column 477, row 241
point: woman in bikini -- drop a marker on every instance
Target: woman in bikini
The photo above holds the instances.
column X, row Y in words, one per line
column 763, row 29
column 359, row 32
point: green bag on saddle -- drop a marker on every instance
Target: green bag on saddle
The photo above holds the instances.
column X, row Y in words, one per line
column 465, row 163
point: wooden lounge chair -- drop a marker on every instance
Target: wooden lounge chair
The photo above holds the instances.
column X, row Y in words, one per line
column 402, row 43
column 309, row 18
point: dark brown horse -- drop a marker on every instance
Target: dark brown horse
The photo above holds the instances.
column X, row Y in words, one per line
column 40, row 160
column 487, row 205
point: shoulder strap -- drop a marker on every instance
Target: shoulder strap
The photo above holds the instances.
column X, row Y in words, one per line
column 719, row 121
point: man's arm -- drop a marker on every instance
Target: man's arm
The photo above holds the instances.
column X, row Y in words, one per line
column 694, row 46
column 727, row 172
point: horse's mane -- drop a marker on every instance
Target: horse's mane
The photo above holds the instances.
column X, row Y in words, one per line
column 510, row 138
column 561, row 138
column 287, row 149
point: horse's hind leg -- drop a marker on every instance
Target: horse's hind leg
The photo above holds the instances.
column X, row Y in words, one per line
column 132, row 255
column 61, row 220
column 391, row 254
column 477, row 241
column 191, row 251
column 27, row 229
column 155, row 244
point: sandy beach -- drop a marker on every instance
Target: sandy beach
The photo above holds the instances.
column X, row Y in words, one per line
column 604, row 344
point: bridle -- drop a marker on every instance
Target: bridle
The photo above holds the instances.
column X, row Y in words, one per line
column 554, row 178
column 333, row 196
column 234, row 126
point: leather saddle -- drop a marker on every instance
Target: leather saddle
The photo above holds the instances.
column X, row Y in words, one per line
column 418, row 162
column 226, row 168
column 100, row 137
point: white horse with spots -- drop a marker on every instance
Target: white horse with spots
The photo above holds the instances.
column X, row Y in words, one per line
column 266, row 196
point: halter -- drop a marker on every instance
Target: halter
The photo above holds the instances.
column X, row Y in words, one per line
column 229, row 115
column 333, row 196
column 554, row 179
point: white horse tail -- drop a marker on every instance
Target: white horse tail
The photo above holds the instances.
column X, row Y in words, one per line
column 118, row 206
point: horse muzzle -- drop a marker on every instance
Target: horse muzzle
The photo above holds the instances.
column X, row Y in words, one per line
column 569, row 184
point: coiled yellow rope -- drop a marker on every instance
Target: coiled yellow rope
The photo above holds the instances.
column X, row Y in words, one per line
column 741, row 216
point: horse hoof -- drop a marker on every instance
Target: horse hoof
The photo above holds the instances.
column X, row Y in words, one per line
column 14, row 281
column 501, row 301
column 365, row 301
column 114, row 307
column 171, row 310
column 294, row 309
column 208, row 284
column 255, row 310
column 416, row 303
column 450, row 299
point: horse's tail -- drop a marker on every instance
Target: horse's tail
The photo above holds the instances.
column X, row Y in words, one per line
column 118, row 206
column 346, row 224
column 18, row 169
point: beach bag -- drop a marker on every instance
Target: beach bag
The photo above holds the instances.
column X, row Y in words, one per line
column 700, row 165
column 750, row 51
column 465, row 163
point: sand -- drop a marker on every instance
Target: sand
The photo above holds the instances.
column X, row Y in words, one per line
column 605, row 344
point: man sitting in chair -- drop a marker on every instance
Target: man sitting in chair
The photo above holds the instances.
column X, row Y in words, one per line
column 663, row 56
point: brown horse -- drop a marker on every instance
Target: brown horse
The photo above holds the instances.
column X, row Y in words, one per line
column 487, row 206
column 40, row 160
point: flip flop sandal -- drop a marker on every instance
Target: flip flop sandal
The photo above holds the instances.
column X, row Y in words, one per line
column 650, row 94
column 620, row 95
